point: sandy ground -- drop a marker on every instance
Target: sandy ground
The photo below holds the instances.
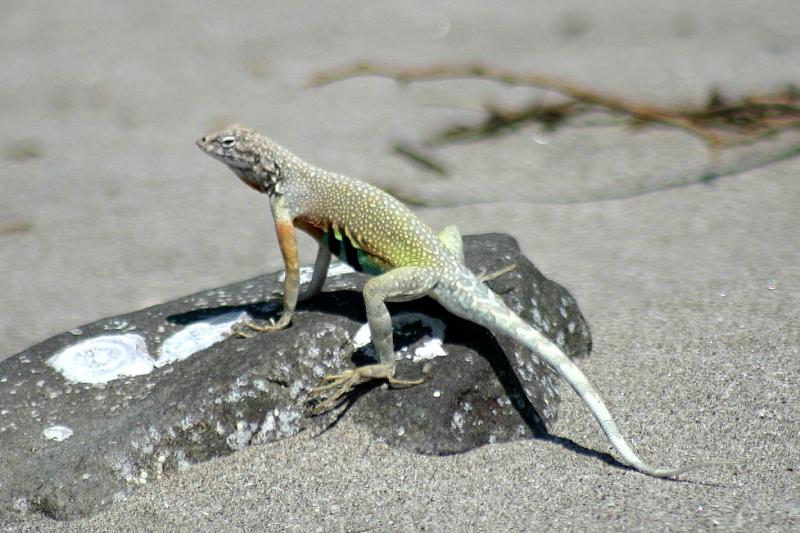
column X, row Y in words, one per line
column 693, row 293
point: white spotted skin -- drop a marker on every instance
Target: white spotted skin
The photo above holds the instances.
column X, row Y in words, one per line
column 377, row 222
column 413, row 262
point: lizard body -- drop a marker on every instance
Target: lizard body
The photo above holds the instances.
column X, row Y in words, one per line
column 377, row 234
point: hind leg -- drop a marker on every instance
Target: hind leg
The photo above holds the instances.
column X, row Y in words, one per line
column 404, row 283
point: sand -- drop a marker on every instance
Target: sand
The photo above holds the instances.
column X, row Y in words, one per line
column 693, row 293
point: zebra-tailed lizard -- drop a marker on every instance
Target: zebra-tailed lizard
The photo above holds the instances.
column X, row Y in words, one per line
column 376, row 234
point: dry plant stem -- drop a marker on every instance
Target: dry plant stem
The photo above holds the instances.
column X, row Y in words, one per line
column 719, row 123
column 421, row 159
column 15, row 227
column 501, row 118
column 644, row 113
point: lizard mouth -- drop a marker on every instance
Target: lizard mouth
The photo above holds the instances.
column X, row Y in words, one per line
column 233, row 162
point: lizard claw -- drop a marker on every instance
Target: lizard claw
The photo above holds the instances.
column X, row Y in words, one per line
column 484, row 277
column 239, row 333
column 340, row 384
column 271, row 326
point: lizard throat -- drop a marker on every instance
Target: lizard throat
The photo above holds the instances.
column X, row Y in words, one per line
column 267, row 185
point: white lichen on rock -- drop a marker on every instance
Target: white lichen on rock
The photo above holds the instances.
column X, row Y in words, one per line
column 103, row 359
column 240, row 437
column 428, row 347
column 278, row 424
column 57, row 433
column 198, row 336
column 458, row 421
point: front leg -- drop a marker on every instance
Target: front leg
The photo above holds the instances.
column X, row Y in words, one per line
column 320, row 273
column 287, row 241
column 400, row 284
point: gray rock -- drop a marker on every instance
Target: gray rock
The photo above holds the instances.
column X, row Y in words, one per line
column 184, row 392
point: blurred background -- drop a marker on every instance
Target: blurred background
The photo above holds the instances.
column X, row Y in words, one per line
column 107, row 206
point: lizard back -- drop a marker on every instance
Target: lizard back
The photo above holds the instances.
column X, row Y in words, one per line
column 359, row 223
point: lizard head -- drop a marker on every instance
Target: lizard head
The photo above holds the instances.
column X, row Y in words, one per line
column 250, row 155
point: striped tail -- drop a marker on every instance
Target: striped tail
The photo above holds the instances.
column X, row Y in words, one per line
column 480, row 305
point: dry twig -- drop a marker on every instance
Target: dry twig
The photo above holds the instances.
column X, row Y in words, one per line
column 719, row 123
column 19, row 226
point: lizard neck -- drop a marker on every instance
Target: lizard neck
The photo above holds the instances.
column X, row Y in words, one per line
column 274, row 168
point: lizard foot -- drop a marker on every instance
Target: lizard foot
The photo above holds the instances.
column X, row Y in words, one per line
column 484, row 277
column 271, row 326
column 340, row 384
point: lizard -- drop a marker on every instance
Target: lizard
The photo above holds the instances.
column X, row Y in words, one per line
column 377, row 234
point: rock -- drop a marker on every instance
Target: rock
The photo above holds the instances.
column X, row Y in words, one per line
column 88, row 415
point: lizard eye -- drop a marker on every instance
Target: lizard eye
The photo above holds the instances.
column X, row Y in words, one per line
column 228, row 142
